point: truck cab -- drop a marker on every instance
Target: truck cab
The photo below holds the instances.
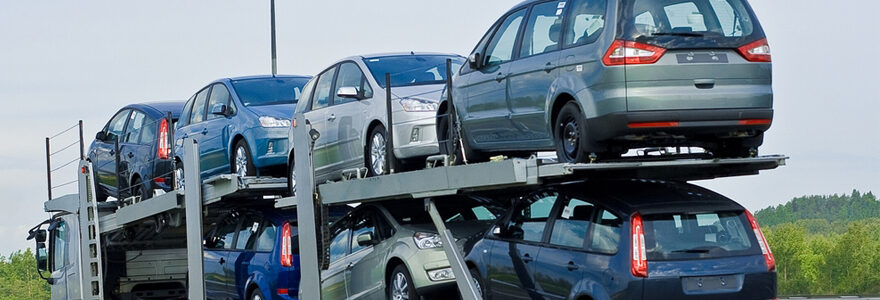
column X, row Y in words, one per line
column 57, row 255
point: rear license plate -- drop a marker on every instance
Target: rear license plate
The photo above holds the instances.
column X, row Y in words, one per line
column 712, row 284
column 701, row 58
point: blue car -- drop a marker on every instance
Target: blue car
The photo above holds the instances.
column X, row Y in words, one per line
column 240, row 125
column 144, row 152
column 624, row 239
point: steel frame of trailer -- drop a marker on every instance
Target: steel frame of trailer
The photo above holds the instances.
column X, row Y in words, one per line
column 441, row 181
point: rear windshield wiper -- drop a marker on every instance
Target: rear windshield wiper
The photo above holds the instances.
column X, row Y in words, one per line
column 692, row 34
column 691, row 251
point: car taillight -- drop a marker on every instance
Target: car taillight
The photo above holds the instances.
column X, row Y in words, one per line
column 631, row 53
column 765, row 248
column 286, row 251
column 639, row 256
column 164, row 151
column 757, row 51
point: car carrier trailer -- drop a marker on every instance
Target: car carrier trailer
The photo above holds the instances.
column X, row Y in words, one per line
column 114, row 246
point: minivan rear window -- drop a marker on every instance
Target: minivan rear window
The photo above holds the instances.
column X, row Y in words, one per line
column 678, row 24
column 678, row 236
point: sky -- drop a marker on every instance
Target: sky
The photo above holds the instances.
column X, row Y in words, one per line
column 63, row 61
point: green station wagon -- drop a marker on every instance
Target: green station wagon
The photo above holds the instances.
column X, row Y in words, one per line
column 592, row 79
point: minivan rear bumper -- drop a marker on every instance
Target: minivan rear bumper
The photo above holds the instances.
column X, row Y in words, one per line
column 679, row 127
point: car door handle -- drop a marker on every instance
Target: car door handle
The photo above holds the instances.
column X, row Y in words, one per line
column 527, row 258
column 130, row 155
column 349, row 266
column 500, row 77
column 549, row 67
column 112, row 152
column 205, row 131
column 571, row 266
column 222, row 261
column 331, row 117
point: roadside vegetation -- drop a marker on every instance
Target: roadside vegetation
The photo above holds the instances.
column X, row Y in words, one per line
column 19, row 278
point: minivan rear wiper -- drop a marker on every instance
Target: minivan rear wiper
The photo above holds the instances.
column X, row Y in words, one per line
column 693, row 34
column 691, row 251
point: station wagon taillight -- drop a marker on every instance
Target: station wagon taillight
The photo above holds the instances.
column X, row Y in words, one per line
column 765, row 248
column 639, row 254
column 164, row 151
column 631, row 53
column 757, row 51
column 286, row 251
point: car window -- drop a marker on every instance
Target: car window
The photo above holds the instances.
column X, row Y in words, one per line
column 117, row 125
column 133, row 130
column 683, row 24
column 61, row 238
column 349, row 75
column 269, row 90
column 198, row 111
column 543, row 30
column 451, row 209
column 187, row 110
column 606, row 232
column 307, row 96
column 586, row 19
column 500, row 48
column 247, row 233
column 224, row 235
column 572, row 223
column 148, row 131
column 339, row 242
column 410, row 70
column 530, row 217
column 685, row 16
column 697, row 235
column 219, row 97
column 363, row 223
column 266, row 239
column 322, row 90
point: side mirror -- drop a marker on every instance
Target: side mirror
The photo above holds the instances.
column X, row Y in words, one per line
column 365, row 239
column 474, row 60
column 42, row 257
column 349, row 92
column 220, row 110
column 101, row 136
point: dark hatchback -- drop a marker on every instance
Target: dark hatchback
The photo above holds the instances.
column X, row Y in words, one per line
column 627, row 239
column 144, row 151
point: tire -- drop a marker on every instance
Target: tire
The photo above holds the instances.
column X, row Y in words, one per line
column 569, row 135
column 456, row 146
column 100, row 195
column 374, row 153
column 478, row 283
column 241, row 162
column 291, row 178
column 138, row 189
column 256, row 294
column 400, row 285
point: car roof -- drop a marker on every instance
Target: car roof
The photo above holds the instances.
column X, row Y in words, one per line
column 646, row 196
column 263, row 77
column 157, row 109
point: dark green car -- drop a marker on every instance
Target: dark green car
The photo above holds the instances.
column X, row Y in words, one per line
column 595, row 78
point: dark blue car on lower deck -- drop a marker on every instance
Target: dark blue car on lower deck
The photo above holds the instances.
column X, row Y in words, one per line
column 624, row 239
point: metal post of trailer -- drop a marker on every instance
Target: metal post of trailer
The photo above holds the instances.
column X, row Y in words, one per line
column 49, row 168
column 389, row 130
column 456, row 260
column 193, row 206
column 310, row 273
column 82, row 149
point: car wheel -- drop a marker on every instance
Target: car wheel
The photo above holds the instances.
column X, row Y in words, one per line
column 569, row 131
column 456, row 146
column 375, row 152
column 400, row 285
column 256, row 294
column 242, row 164
column 100, row 195
column 478, row 283
column 138, row 189
column 291, row 178
column 179, row 183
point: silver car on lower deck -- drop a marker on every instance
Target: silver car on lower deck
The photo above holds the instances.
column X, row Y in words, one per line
column 346, row 104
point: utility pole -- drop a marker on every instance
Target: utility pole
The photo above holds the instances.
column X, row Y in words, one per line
column 272, row 17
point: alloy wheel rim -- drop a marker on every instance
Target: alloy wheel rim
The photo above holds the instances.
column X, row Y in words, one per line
column 292, row 180
column 477, row 285
column 377, row 154
column 400, row 289
column 258, row 297
column 178, row 179
column 240, row 162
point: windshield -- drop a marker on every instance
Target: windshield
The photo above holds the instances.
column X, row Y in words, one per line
column 676, row 24
column 269, row 91
column 698, row 235
column 407, row 70
column 451, row 210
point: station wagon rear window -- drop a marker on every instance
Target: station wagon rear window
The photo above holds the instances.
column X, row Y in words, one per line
column 678, row 24
column 680, row 236
column 269, row 91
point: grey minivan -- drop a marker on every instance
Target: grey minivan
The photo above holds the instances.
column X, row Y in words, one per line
column 594, row 78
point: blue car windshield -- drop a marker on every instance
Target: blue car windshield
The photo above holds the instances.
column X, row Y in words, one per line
column 408, row 70
column 269, row 91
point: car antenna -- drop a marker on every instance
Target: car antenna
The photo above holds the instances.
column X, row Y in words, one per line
column 412, row 53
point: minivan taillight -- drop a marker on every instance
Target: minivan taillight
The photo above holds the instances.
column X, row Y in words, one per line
column 164, row 151
column 286, row 251
column 631, row 53
column 757, row 51
column 639, row 255
column 765, row 248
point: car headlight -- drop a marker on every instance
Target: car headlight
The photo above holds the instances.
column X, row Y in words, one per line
column 425, row 240
column 441, row 274
column 414, row 105
column 274, row 122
